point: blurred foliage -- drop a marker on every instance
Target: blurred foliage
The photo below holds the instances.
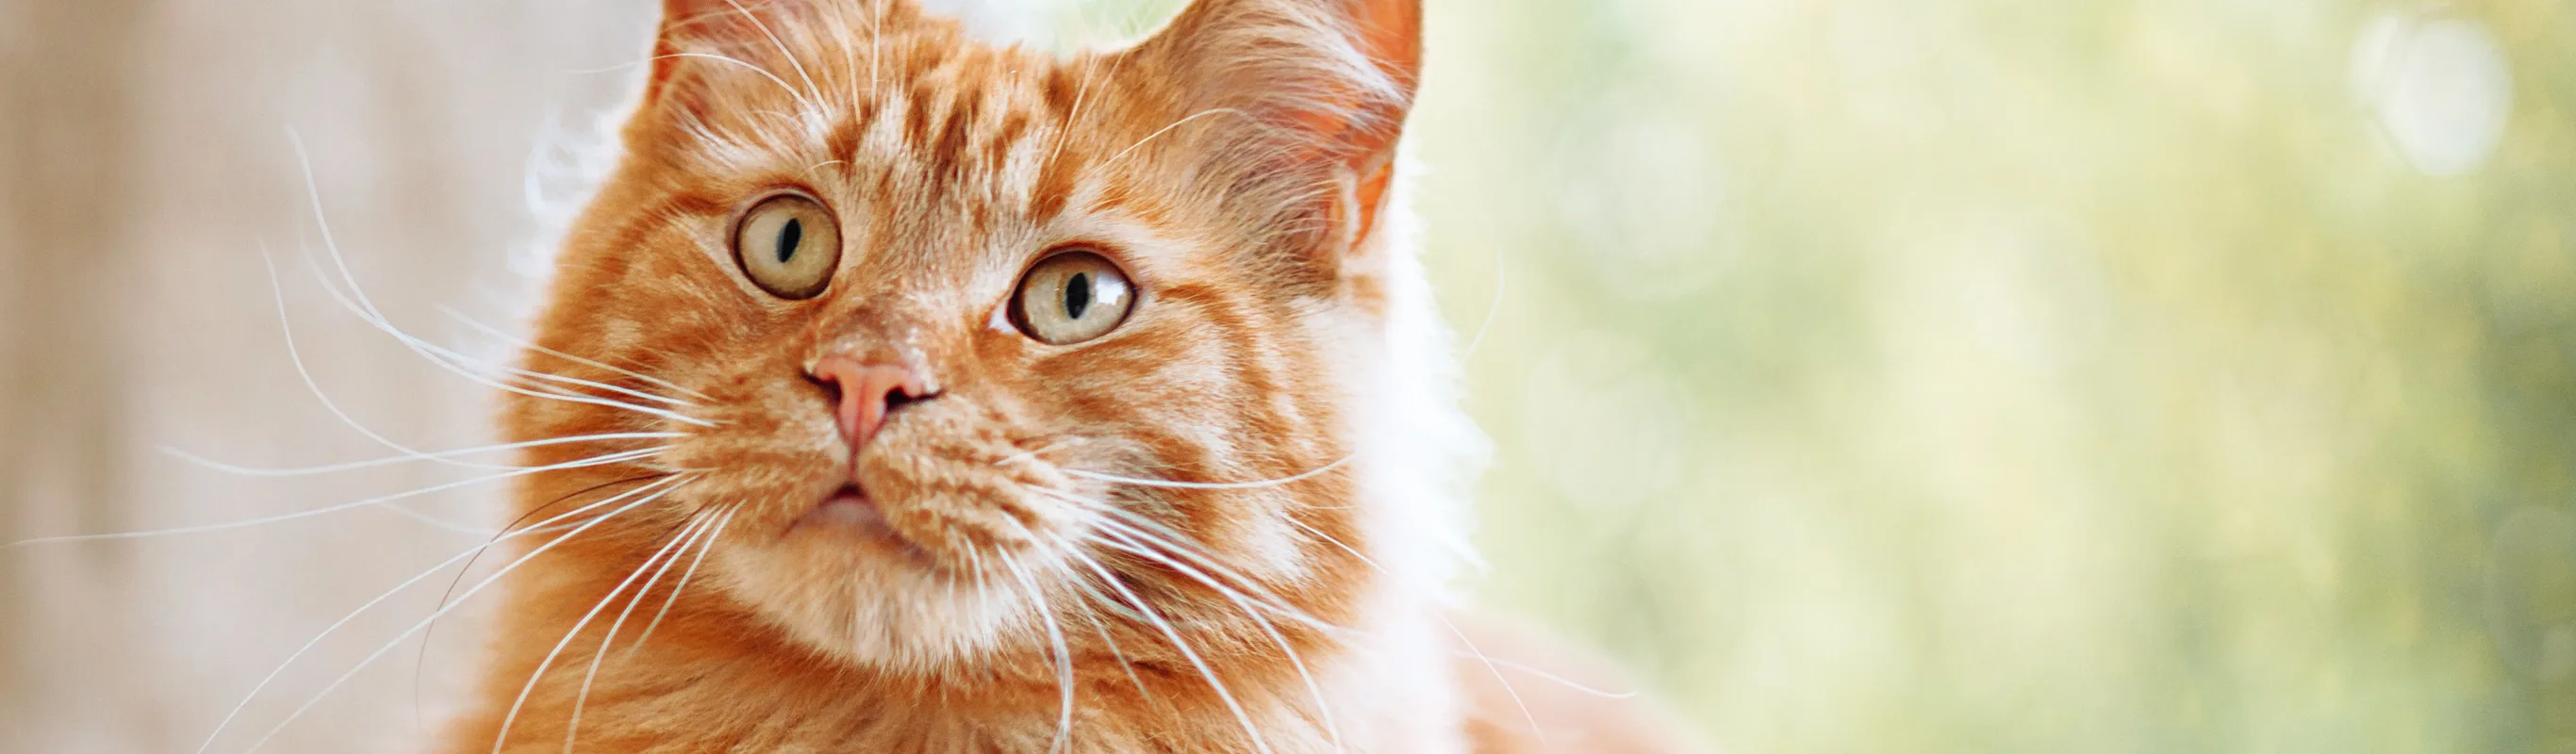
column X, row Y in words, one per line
column 2026, row 375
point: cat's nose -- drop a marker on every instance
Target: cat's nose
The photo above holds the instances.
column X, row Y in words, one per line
column 863, row 393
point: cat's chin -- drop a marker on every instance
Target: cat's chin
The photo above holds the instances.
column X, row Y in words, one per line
column 842, row 581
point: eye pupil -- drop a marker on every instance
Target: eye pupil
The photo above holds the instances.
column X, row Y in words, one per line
column 1077, row 295
column 788, row 236
column 771, row 240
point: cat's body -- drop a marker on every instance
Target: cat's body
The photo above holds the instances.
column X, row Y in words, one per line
column 940, row 397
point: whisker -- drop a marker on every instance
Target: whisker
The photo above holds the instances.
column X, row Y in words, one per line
column 457, row 363
column 439, row 523
column 264, row 681
column 849, row 60
column 1071, row 114
column 764, row 72
column 1165, row 627
column 533, row 676
column 1063, row 656
column 1102, row 627
column 811, row 106
column 876, row 33
column 1135, row 525
column 421, row 661
column 698, row 525
column 1491, row 665
column 1040, row 450
column 1113, row 160
column 1543, row 675
column 376, row 318
column 239, row 470
column 683, row 584
column 1322, row 708
column 353, row 615
column 975, row 560
column 532, row 346
column 613, row 458
column 295, row 356
column 461, row 359
column 460, row 602
column 1319, row 471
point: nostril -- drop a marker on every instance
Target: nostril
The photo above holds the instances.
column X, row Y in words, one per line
column 902, row 397
column 831, row 387
column 862, row 395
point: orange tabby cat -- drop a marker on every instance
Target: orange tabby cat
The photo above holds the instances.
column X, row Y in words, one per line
column 1014, row 402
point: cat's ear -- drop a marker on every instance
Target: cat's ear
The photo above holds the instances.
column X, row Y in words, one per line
column 1326, row 84
column 688, row 27
column 700, row 34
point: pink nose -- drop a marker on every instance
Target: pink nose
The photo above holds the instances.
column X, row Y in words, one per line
column 864, row 393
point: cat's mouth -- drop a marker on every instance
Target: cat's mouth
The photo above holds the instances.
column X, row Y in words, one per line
column 849, row 511
column 847, row 508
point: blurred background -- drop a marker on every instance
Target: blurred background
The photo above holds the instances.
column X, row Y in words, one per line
column 1867, row 375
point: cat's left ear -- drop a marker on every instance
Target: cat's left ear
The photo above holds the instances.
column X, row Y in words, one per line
column 1326, row 84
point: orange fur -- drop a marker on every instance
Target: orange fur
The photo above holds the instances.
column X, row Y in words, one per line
column 1239, row 167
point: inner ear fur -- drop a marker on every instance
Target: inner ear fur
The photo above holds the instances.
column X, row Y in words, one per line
column 1325, row 86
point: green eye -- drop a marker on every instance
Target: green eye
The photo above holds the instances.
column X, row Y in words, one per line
column 789, row 245
column 1072, row 297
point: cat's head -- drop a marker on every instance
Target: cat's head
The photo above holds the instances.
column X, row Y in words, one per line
column 965, row 351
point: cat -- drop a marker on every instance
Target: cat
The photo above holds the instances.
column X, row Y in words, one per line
column 909, row 393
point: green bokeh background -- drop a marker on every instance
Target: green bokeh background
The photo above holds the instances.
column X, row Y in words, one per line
column 1866, row 375
column 2023, row 375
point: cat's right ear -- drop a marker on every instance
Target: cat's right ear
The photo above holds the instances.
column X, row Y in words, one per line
column 698, row 36
column 676, row 42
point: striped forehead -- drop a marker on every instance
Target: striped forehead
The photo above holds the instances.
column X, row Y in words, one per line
column 932, row 121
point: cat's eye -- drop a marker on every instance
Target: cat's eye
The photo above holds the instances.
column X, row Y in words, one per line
column 1072, row 297
column 789, row 245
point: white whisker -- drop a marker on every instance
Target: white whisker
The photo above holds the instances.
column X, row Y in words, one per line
column 764, row 72
column 1313, row 690
column 1165, row 627
column 533, row 676
column 1320, row 471
column 367, row 311
column 683, row 584
column 1135, row 526
column 532, row 346
column 698, row 525
column 370, row 604
column 1113, row 160
column 435, row 522
column 457, row 363
column 1040, row 450
column 1063, row 656
column 459, row 602
column 876, row 34
column 613, row 458
column 1071, row 115
column 1491, row 665
column 813, row 107
column 1102, row 627
column 393, row 460
column 295, row 356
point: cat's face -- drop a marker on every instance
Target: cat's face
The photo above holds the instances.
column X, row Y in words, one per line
column 937, row 322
